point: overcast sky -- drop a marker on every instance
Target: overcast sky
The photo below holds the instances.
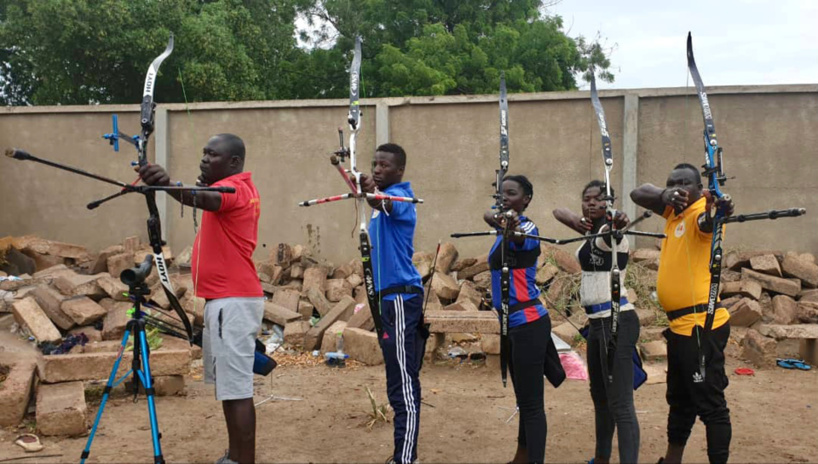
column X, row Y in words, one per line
column 736, row 42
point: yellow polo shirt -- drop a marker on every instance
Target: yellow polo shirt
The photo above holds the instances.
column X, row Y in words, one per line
column 684, row 268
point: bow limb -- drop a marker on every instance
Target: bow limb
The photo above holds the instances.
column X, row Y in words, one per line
column 148, row 107
column 615, row 275
column 155, row 237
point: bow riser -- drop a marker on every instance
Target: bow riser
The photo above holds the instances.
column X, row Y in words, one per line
column 713, row 163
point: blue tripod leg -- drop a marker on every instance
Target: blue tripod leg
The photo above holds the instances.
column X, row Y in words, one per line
column 106, row 393
column 147, row 383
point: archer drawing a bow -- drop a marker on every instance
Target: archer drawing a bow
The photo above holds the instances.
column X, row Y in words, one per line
column 612, row 232
column 505, row 281
column 140, row 142
column 352, row 178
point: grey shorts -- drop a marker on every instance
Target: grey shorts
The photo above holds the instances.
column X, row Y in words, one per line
column 229, row 343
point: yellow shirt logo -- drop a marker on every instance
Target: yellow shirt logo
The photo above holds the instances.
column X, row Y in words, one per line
column 680, row 230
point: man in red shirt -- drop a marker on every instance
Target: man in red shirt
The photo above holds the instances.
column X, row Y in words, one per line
column 225, row 276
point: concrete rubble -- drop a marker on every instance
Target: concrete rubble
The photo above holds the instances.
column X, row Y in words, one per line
column 66, row 290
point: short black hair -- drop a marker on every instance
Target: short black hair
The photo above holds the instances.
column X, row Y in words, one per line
column 395, row 149
column 528, row 189
column 603, row 188
column 233, row 144
column 692, row 168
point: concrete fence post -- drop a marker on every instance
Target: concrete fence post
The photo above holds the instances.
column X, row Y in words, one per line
column 161, row 145
column 381, row 123
column 630, row 150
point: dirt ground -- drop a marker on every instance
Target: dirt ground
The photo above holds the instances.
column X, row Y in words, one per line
column 463, row 419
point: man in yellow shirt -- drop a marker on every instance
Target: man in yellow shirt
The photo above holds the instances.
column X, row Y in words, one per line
column 683, row 288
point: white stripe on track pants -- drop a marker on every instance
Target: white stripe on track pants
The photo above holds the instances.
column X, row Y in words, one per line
column 403, row 347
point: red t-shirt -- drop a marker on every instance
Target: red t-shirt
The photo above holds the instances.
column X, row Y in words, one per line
column 226, row 241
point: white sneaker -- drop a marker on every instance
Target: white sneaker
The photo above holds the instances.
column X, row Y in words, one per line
column 225, row 459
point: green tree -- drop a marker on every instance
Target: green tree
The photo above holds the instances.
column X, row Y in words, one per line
column 446, row 47
column 97, row 51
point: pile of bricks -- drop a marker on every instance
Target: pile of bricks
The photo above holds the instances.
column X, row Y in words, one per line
column 773, row 302
column 65, row 289
column 301, row 288
column 772, row 298
column 60, row 290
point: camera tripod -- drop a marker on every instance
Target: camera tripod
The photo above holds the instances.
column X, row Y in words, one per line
column 140, row 365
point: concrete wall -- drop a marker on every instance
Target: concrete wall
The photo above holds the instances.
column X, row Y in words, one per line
column 768, row 134
column 35, row 199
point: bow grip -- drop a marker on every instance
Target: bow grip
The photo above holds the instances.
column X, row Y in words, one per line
column 724, row 198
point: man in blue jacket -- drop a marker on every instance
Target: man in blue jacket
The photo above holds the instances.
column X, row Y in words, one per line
column 400, row 292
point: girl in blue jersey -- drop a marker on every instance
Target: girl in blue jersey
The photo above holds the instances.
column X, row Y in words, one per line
column 529, row 324
column 613, row 401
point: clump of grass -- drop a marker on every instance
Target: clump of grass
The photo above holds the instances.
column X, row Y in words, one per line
column 549, row 259
column 154, row 337
column 662, row 320
column 568, row 294
column 29, row 424
column 379, row 413
column 93, row 394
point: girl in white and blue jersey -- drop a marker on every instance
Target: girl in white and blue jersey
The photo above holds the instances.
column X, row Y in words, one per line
column 613, row 401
